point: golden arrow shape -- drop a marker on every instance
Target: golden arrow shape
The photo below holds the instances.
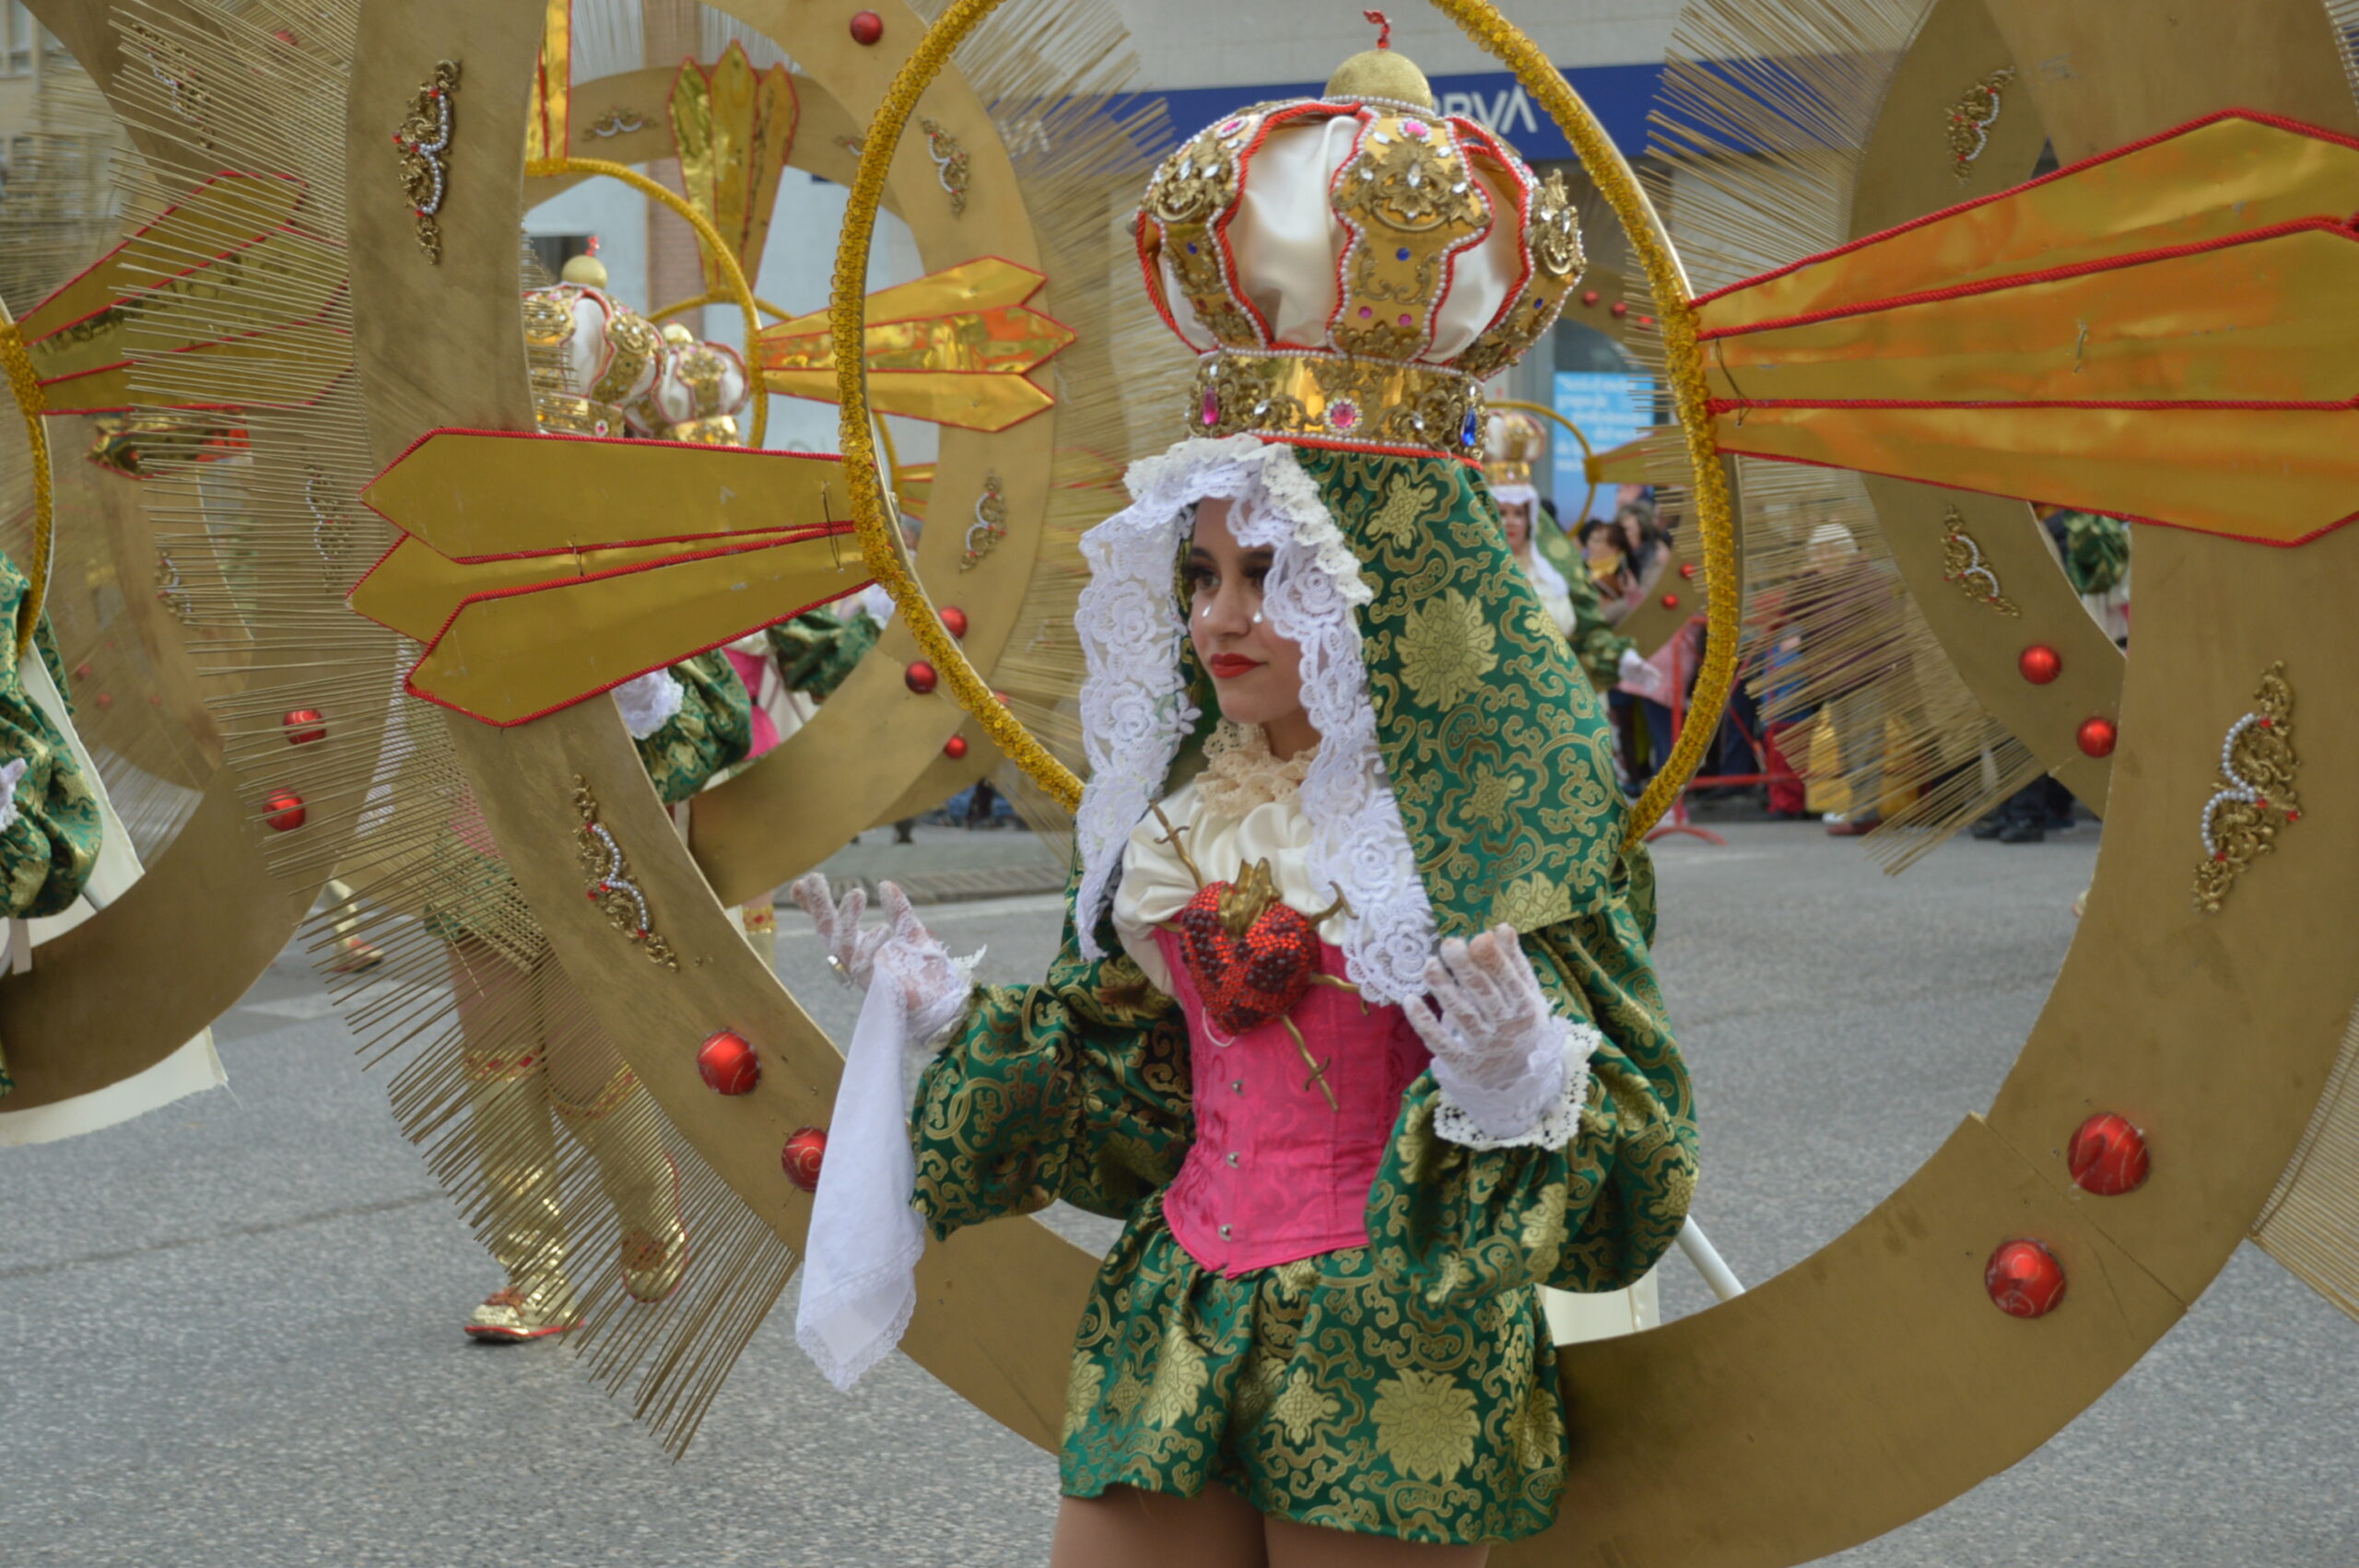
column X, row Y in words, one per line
column 539, row 570
column 186, row 284
column 2160, row 333
column 955, row 347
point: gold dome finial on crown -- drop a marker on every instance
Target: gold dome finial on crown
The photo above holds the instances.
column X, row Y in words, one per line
column 1377, row 279
column 1515, row 443
column 1381, row 73
column 586, row 269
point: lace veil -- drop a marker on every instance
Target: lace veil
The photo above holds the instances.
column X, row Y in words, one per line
column 1136, row 714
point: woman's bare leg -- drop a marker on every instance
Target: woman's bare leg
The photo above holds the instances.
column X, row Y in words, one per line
column 1309, row 1545
column 1129, row 1528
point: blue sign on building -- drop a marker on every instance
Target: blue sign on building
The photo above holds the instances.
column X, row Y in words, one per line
column 1619, row 96
column 1494, row 99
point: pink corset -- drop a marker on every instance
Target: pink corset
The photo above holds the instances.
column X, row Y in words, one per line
column 750, row 668
column 1276, row 1174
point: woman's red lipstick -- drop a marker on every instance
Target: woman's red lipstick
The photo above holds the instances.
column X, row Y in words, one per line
column 1228, row 666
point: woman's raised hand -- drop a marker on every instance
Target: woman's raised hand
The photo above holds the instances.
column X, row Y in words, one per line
column 932, row 984
column 1495, row 1053
column 851, row 952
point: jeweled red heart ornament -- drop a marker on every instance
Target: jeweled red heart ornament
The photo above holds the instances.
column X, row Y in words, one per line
column 1251, row 979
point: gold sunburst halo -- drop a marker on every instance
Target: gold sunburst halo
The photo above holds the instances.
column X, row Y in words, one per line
column 1606, row 168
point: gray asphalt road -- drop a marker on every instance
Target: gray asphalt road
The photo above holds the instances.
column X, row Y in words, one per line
column 231, row 1328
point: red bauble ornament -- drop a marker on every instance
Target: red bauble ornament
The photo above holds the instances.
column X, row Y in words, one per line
column 867, row 26
column 1621, row 309
column 1591, row 297
column 954, row 620
column 1000, row 698
column 1671, row 601
column 106, row 699
column 803, row 1152
column 954, row 747
column 919, row 677
column 727, row 1063
column 303, row 726
column 1687, row 569
column 82, row 671
column 2039, row 663
column 2024, row 1278
column 2107, row 1157
column 286, row 812
column 2097, row 736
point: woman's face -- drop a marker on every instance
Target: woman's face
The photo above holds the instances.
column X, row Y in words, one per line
column 1517, row 515
column 1257, row 674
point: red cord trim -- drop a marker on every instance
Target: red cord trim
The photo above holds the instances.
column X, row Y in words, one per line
column 2277, row 121
column 2141, row 405
column 1969, row 490
column 409, row 681
column 2043, row 274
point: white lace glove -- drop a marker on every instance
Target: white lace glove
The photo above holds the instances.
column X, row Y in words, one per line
column 1502, row 1060
column 10, row 777
column 933, row 985
column 1640, row 676
column 864, row 1240
column 649, row 702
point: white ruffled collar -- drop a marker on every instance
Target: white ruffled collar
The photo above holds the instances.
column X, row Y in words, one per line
column 1241, row 772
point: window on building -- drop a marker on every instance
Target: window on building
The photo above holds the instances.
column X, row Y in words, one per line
column 20, row 36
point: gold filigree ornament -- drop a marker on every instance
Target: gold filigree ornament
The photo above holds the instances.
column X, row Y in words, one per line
column 1970, row 119
column 989, row 525
column 611, row 888
column 1961, row 564
column 2257, row 767
column 424, row 139
column 617, row 122
column 950, row 163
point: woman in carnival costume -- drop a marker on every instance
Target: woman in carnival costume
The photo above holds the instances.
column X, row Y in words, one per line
column 532, row 1056
column 1353, row 1023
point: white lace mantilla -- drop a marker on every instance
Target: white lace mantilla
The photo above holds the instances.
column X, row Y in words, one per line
column 1136, row 713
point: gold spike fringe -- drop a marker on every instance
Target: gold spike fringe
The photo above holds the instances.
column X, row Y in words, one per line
column 270, row 540
column 2311, row 1221
column 60, row 211
column 1757, row 137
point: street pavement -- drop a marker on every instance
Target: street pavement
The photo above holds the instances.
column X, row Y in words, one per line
column 228, row 1331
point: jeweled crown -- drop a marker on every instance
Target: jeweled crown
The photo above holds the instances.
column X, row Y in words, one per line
column 1352, row 267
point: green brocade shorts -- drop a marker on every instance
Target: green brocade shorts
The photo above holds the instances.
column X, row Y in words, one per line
column 1318, row 1391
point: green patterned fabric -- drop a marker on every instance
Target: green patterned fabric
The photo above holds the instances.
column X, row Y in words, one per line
column 1595, row 643
column 713, row 729
column 1500, row 754
column 1406, row 1388
column 1319, row 1391
column 48, row 853
column 817, row 648
column 1403, row 1388
column 1593, row 1215
column 1075, row 1089
column 2096, row 552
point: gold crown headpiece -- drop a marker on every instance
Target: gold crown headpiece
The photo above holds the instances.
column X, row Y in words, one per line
column 1514, row 444
column 1352, row 267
